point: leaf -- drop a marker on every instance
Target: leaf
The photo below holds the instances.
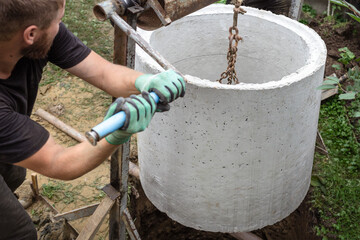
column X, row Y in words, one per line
column 347, row 96
column 354, row 17
column 326, row 87
column 340, row 3
column 336, row 66
column 330, row 82
column 344, row 49
column 357, row 114
column 315, row 181
column 332, row 78
column 349, row 54
column 353, row 8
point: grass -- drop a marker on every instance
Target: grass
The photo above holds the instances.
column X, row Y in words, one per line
column 95, row 34
column 92, row 106
column 66, row 193
column 81, row 21
column 337, row 189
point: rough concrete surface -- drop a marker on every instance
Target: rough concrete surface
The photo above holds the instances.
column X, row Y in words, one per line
column 234, row 158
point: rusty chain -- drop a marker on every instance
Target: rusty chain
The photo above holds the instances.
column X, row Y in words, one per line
column 234, row 39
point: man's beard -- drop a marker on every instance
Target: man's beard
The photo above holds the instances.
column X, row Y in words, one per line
column 39, row 49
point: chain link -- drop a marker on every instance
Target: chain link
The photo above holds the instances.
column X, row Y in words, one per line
column 234, row 39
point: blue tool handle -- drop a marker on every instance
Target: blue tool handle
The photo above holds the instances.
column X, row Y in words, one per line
column 115, row 122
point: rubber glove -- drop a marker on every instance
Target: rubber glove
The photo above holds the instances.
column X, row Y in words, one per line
column 168, row 85
column 139, row 110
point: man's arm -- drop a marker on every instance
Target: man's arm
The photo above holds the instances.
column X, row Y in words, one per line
column 116, row 80
column 55, row 161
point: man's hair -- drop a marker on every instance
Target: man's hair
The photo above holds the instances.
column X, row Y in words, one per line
column 16, row 15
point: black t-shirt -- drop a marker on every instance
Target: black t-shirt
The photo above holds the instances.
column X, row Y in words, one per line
column 21, row 137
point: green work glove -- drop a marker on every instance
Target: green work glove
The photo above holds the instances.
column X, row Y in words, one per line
column 139, row 111
column 167, row 85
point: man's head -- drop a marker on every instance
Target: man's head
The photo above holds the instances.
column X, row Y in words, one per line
column 35, row 20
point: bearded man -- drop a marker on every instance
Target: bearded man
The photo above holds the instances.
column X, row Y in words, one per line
column 32, row 34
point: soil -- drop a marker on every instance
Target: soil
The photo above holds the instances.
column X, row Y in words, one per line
column 347, row 35
column 153, row 224
column 70, row 100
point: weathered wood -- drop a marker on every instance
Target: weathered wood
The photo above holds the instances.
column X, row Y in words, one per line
column 34, row 184
column 55, row 211
column 94, row 223
column 321, row 147
column 130, row 226
column 245, row 236
column 77, row 213
column 329, row 93
column 61, row 125
column 295, row 9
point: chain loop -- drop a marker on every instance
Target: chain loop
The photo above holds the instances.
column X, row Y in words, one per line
column 234, row 39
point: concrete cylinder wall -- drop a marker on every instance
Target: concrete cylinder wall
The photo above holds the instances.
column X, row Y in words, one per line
column 233, row 158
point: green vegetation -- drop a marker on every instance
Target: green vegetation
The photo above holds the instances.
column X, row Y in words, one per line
column 80, row 20
column 355, row 13
column 308, row 13
column 348, row 61
column 306, row 8
column 59, row 191
column 336, row 178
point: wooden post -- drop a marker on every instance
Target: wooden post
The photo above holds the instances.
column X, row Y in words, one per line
column 34, row 184
column 295, row 9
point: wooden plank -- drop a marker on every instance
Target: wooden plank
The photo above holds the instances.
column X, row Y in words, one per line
column 329, row 93
column 130, row 226
column 245, row 236
column 94, row 223
column 55, row 211
column 77, row 213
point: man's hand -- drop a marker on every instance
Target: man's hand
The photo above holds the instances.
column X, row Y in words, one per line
column 167, row 85
column 139, row 111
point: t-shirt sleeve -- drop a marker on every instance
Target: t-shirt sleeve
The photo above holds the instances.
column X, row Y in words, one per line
column 20, row 137
column 67, row 50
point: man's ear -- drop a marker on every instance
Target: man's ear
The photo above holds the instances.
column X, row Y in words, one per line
column 30, row 34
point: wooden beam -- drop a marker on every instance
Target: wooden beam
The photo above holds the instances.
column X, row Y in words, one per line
column 329, row 93
column 77, row 213
column 94, row 223
column 61, row 125
column 245, row 236
column 130, row 226
column 295, row 9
